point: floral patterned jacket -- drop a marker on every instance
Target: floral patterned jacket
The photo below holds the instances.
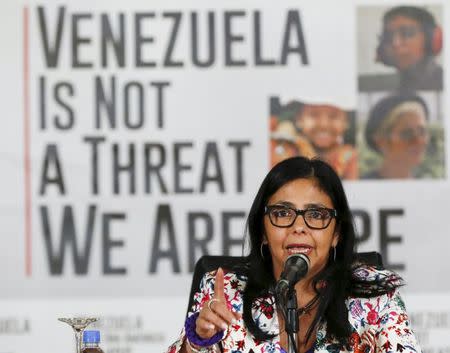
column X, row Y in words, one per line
column 380, row 323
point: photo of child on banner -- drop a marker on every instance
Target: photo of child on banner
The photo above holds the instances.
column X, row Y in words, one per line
column 302, row 128
column 409, row 44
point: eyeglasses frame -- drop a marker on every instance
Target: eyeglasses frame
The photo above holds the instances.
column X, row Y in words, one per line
column 404, row 32
column 421, row 132
column 298, row 212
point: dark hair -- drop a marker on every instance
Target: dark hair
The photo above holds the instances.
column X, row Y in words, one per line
column 381, row 110
column 337, row 274
column 290, row 110
column 419, row 14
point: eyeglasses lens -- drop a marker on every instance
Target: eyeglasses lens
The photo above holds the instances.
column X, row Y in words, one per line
column 318, row 218
column 411, row 134
column 282, row 217
column 403, row 32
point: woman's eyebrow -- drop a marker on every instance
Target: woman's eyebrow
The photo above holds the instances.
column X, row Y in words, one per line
column 308, row 205
column 284, row 203
column 315, row 205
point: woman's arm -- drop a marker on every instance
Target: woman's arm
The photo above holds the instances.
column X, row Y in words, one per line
column 394, row 331
column 207, row 319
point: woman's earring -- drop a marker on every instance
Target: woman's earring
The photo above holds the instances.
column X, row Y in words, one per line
column 334, row 254
column 262, row 251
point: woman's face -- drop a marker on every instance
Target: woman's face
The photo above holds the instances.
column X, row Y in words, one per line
column 299, row 238
column 323, row 125
column 407, row 140
column 404, row 42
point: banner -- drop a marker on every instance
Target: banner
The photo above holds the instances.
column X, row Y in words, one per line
column 135, row 137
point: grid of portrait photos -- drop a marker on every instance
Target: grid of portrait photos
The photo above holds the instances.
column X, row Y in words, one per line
column 396, row 130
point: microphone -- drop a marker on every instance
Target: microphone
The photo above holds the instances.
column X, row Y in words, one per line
column 295, row 268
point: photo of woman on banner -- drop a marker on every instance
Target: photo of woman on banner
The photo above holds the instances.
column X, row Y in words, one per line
column 410, row 42
column 344, row 304
column 397, row 129
column 321, row 129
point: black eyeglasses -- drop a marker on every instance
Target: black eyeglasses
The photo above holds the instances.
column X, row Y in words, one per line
column 404, row 33
column 315, row 218
column 410, row 134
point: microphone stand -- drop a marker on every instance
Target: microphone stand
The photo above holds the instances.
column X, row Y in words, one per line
column 292, row 322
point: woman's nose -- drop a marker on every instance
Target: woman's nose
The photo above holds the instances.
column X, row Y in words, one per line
column 300, row 224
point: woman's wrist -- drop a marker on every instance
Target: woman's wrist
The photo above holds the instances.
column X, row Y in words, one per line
column 198, row 349
column 194, row 340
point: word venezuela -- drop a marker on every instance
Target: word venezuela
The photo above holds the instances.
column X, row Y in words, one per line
column 171, row 39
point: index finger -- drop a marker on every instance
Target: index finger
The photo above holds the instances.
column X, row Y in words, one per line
column 218, row 285
column 222, row 308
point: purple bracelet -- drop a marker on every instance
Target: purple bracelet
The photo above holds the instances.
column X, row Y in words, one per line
column 189, row 328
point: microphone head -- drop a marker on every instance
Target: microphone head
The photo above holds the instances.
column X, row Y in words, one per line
column 296, row 259
column 296, row 265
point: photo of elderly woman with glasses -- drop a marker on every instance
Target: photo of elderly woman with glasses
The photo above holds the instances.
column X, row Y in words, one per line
column 398, row 131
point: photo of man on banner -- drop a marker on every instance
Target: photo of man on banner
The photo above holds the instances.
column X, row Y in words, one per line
column 315, row 128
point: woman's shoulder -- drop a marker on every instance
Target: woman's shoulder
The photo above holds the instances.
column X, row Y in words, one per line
column 375, row 293
column 377, row 302
column 383, row 316
column 370, row 281
column 366, row 272
column 383, row 320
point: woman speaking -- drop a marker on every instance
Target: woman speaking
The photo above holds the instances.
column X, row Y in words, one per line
column 343, row 305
